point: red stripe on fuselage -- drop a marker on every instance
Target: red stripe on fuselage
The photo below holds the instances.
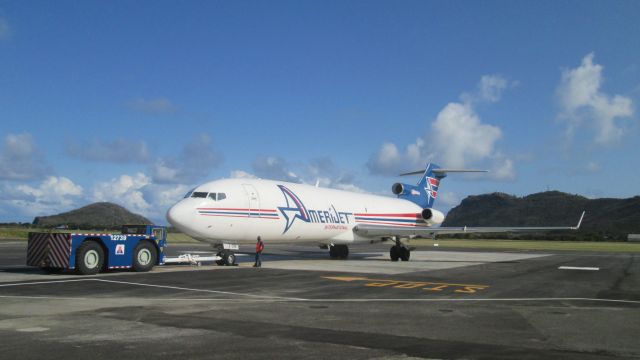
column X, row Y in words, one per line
column 243, row 216
column 416, row 216
column 390, row 224
column 239, row 209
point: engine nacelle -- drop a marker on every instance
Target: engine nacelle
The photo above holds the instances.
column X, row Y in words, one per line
column 432, row 216
column 404, row 189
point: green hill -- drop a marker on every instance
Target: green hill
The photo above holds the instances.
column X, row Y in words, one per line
column 604, row 218
column 95, row 216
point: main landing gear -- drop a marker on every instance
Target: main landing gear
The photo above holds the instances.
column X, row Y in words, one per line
column 399, row 251
column 338, row 251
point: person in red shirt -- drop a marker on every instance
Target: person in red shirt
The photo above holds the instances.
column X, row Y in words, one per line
column 259, row 248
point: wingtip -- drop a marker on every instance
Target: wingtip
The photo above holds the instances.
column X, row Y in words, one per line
column 580, row 221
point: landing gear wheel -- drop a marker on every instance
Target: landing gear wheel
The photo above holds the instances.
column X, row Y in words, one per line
column 228, row 258
column 405, row 253
column 394, row 253
column 89, row 258
column 144, row 256
column 339, row 251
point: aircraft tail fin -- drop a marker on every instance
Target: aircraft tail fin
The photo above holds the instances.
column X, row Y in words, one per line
column 426, row 191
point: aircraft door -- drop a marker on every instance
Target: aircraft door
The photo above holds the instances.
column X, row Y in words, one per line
column 254, row 200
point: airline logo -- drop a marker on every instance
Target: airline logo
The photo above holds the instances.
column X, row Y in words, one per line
column 295, row 209
column 431, row 187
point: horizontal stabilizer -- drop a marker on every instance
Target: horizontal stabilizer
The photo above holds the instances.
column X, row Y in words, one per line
column 444, row 171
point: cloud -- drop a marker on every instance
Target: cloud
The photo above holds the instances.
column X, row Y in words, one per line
column 583, row 103
column 126, row 190
column 489, row 89
column 152, row 106
column 20, row 158
column 195, row 161
column 4, row 29
column 53, row 195
column 456, row 138
column 116, row 151
column 139, row 194
column 274, row 168
column 241, row 174
column 321, row 171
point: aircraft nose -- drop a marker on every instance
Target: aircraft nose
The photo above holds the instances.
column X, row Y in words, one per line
column 179, row 215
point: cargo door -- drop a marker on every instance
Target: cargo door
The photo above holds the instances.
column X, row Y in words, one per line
column 254, row 200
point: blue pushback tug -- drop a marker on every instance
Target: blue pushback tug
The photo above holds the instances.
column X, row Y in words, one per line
column 137, row 247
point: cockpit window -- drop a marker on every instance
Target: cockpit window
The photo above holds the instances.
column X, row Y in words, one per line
column 198, row 194
column 217, row 196
column 189, row 193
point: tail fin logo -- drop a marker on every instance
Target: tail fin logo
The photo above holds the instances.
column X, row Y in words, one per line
column 431, row 187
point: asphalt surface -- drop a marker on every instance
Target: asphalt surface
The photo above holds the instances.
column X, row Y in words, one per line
column 443, row 304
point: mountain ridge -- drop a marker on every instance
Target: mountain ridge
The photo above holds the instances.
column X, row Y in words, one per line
column 93, row 216
column 606, row 217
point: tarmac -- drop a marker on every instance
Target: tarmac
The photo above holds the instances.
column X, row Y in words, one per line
column 442, row 304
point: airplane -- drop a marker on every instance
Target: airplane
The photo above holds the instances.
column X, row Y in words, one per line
column 237, row 211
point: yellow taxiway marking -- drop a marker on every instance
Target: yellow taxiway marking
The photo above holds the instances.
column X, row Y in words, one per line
column 403, row 284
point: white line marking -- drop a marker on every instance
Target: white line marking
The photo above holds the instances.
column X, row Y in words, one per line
column 283, row 299
column 578, row 268
column 200, row 290
column 44, row 282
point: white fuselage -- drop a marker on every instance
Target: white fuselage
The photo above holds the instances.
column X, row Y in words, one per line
column 285, row 212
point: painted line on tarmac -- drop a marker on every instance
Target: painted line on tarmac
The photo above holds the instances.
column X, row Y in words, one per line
column 284, row 299
column 200, row 290
column 586, row 268
column 45, row 282
column 157, row 286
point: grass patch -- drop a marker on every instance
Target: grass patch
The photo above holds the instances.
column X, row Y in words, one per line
column 547, row 245
column 173, row 238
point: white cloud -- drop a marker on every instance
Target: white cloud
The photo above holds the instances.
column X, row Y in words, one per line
column 53, row 195
column 152, row 106
column 140, row 195
column 582, row 102
column 4, row 29
column 491, row 87
column 116, row 151
column 125, row 190
column 20, row 158
column 194, row 163
column 274, row 168
column 457, row 138
column 241, row 174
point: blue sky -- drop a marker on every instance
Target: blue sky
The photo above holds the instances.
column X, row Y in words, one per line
column 137, row 102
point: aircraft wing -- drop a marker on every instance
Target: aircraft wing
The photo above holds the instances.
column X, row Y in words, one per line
column 388, row 231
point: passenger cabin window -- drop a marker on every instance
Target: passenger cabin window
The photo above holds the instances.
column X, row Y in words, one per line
column 198, row 194
column 217, row 196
